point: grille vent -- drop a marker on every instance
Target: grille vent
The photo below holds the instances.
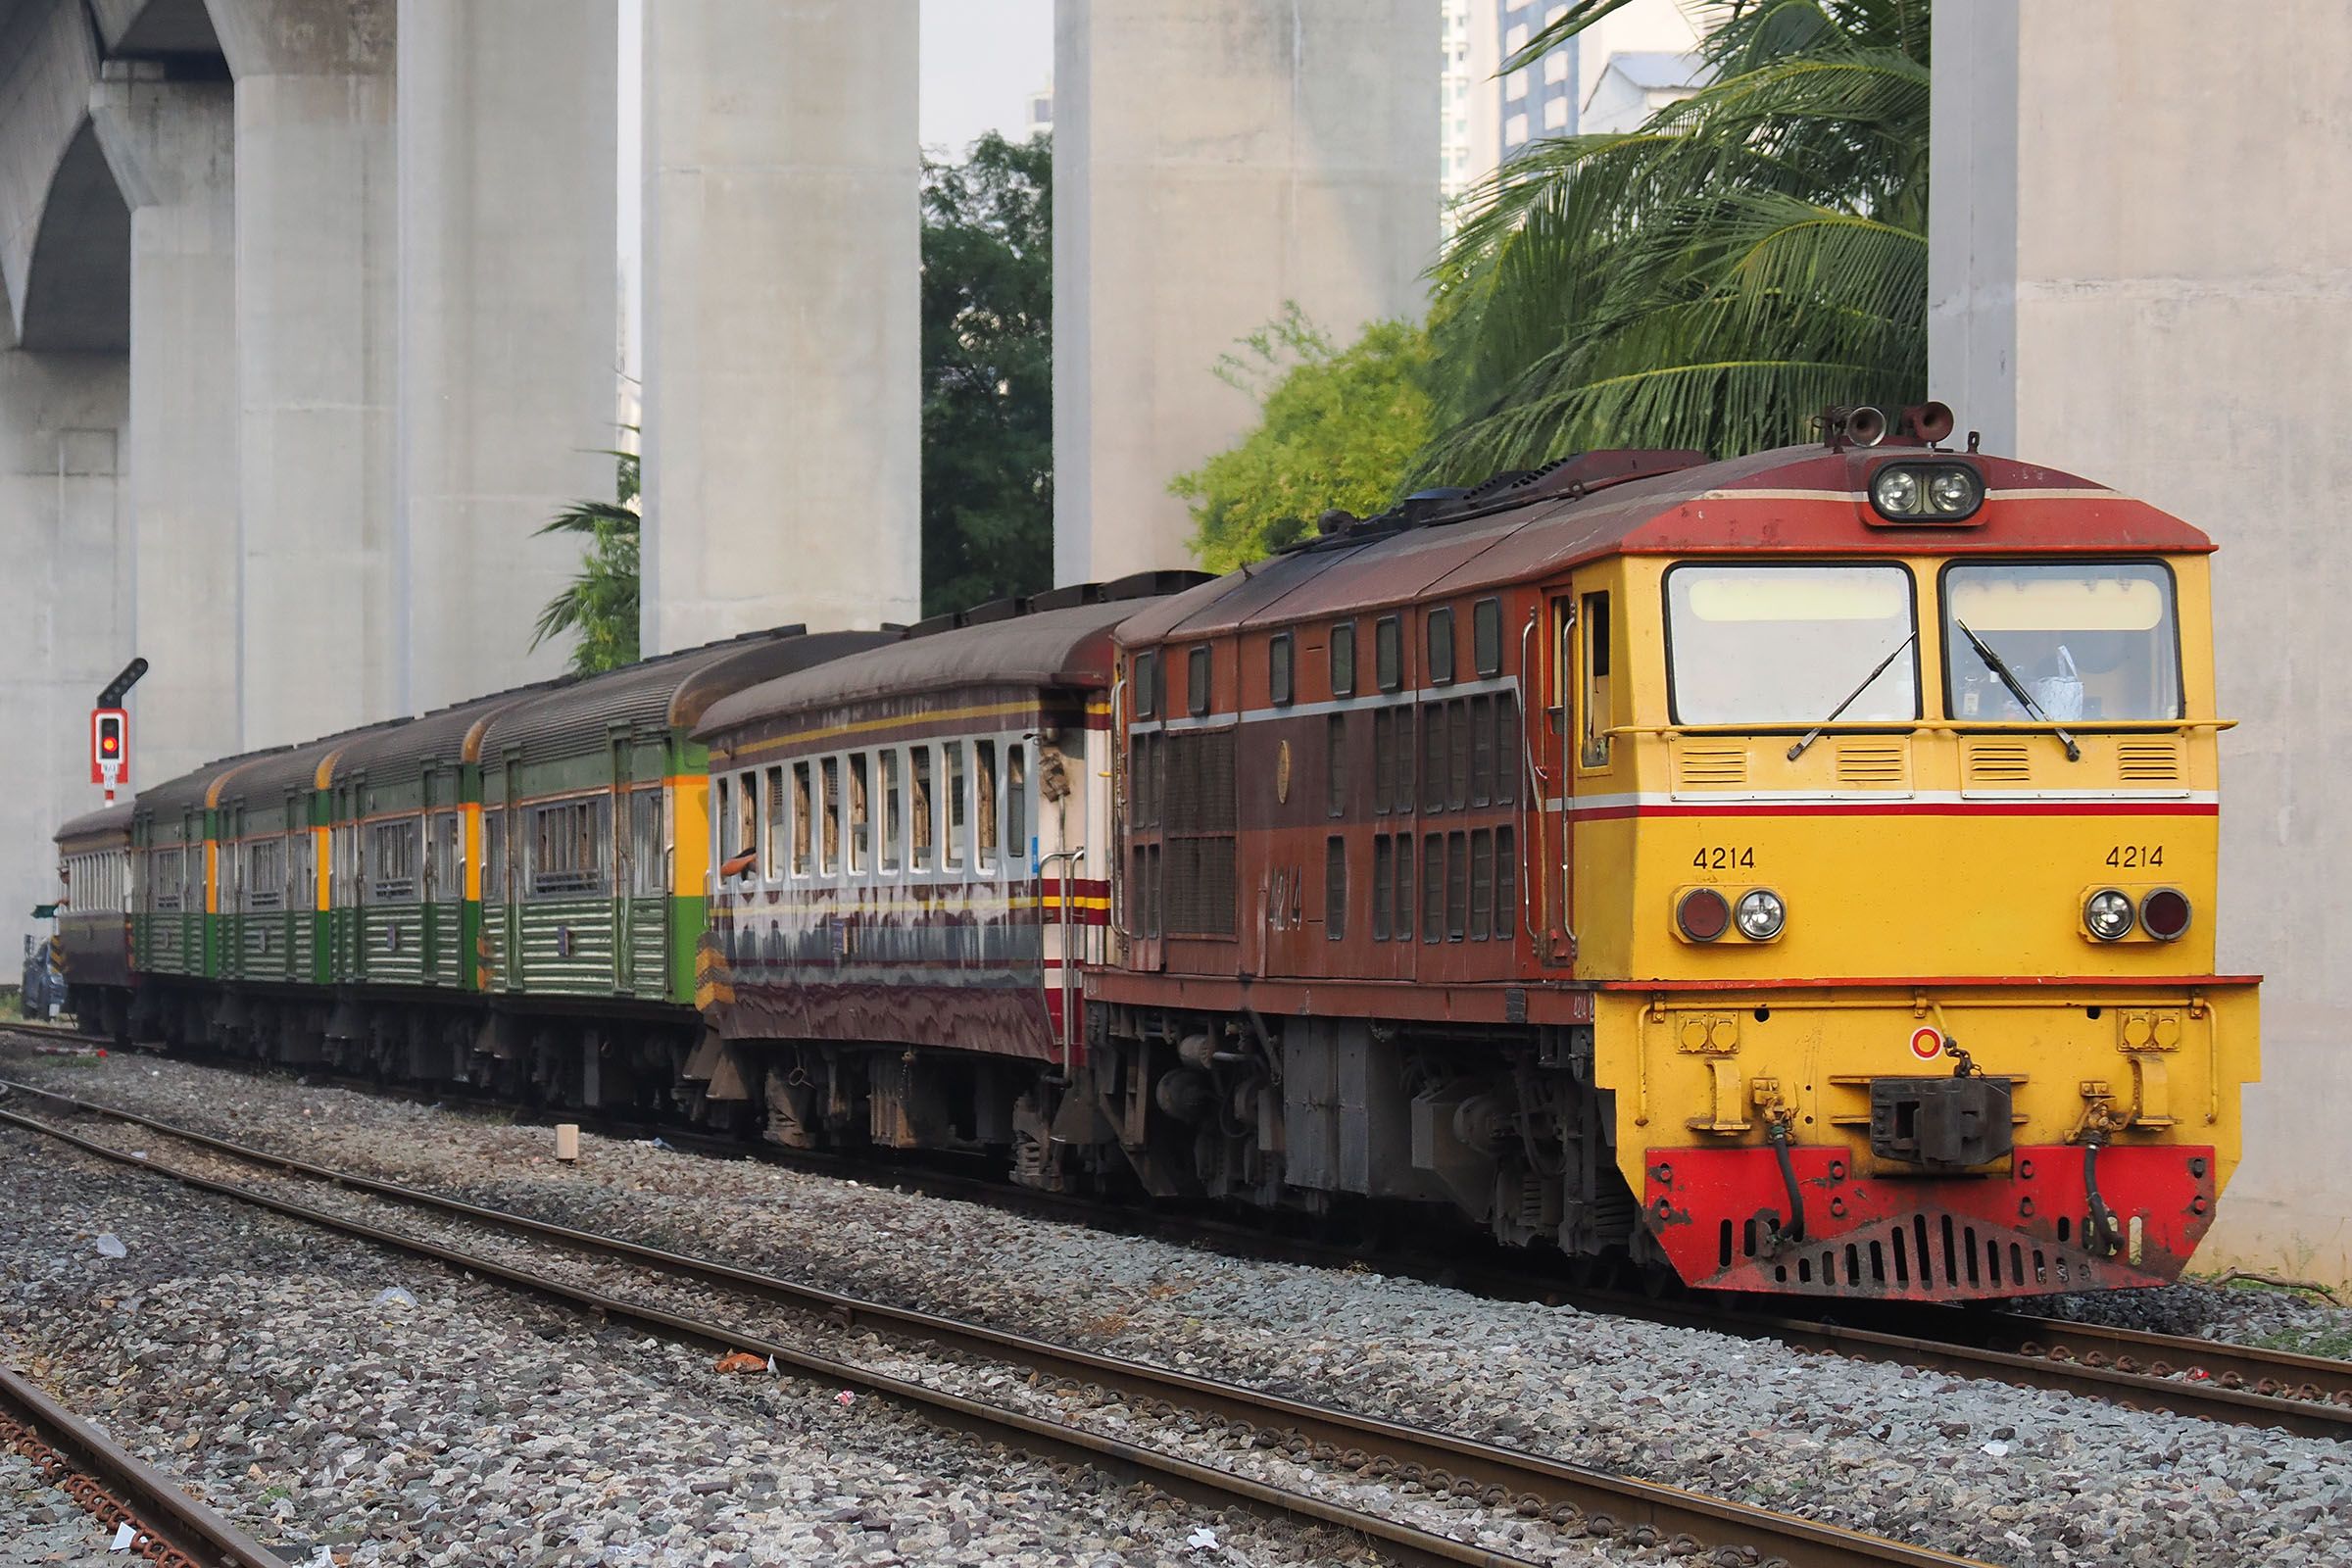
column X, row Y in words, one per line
column 2148, row 761
column 1710, row 768
column 1991, row 763
column 1873, row 764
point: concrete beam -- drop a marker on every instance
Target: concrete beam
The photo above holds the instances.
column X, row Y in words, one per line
column 64, row 230
column 319, row 629
column 152, row 28
column 1213, row 161
column 64, row 612
column 509, row 332
column 2134, row 277
column 782, row 320
column 171, row 148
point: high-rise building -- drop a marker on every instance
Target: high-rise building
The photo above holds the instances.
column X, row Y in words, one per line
column 1610, row 77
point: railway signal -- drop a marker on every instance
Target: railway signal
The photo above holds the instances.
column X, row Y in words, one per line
column 110, row 749
column 110, row 731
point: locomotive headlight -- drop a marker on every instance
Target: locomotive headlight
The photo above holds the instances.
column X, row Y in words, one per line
column 1761, row 914
column 1954, row 492
column 2108, row 915
column 1895, row 492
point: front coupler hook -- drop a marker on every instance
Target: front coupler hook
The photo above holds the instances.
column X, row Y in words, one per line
column 2102, row 1218
column 1794, row 1234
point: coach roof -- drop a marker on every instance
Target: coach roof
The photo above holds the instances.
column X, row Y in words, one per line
column 671, row 692
column 1066, row 646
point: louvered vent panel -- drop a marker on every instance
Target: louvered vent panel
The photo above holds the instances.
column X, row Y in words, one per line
column 1999, row 763
column 1710, row 768
column 2148, row 761
column 1873, row 764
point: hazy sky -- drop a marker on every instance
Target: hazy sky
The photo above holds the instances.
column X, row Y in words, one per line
column 981, row 61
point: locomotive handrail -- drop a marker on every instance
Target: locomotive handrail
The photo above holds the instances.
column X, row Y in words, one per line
column 1973, row 727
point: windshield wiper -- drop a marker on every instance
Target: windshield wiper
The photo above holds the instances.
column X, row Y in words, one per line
column 1814, row 734
column 2017, row 689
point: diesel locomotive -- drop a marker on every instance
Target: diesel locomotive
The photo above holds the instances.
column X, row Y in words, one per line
column 1796, row 872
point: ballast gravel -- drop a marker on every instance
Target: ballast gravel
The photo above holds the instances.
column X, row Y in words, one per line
column 1985, row 1470
column 39, row 1524
column 348, row 1406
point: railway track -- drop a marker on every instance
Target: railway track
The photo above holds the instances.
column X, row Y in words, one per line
column 2185, row 1375
column 1511, row 1482
column 167, row 1527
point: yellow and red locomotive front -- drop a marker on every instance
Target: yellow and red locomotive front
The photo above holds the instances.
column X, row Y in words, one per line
column 1800, row 869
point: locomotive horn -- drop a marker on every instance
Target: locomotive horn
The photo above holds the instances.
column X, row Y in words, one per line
column 1930, row 422
column 1865, row 426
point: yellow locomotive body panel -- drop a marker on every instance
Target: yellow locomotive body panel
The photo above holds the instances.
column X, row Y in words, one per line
column 1931, row 876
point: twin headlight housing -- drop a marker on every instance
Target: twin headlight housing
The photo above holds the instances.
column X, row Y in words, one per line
column 2110, row 916
column 1926, row 492
column 1704, row 914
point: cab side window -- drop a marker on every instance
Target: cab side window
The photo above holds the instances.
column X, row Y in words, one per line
column 1599, row 715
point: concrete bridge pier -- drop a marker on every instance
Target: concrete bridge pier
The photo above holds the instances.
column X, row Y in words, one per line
column 2141, row 272
column 318, row 624
column 65, row 596
column 170, row 146
column 1215, row 160
column 782, row 316
column 507, row 323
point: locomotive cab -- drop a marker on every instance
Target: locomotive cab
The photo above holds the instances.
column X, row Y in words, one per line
column 1898, row 866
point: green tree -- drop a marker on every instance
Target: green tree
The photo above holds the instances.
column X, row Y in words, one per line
column 600, row 605
column 1712, row 279
column 1337, row 428
column 988, row 373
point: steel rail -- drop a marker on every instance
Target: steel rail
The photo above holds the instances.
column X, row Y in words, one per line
column 1529, row 1485
column 113, row 1485
column 2241, row 1385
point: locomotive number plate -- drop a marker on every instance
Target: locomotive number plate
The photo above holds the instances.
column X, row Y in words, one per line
column 2133, row 856
column 1725, row 857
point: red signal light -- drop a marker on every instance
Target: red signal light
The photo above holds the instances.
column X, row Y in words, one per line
column 110, row 747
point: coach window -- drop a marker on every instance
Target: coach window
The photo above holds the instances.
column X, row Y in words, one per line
column 984, row 786
column 829, row 811
column 1441, row 646
column 1342, row 659
column 1195, row 681
column 746, row 818
column 1017, row 802
column 921, row 815
column 893, row 816
column 1594, row 751
column 1278, row 668
column 1146, row 687
column 959, row 808
column 723, row 793
column 802, row 861
column 1387, row 653
column 771, row 862
column 861, row 820
column 1485, row 637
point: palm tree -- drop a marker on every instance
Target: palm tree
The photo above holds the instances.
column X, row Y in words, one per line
column 1713, row 278
column 600, row 605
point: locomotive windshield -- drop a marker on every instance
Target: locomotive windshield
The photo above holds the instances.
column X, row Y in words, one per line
column 2087, row 640
column 1787, row 644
